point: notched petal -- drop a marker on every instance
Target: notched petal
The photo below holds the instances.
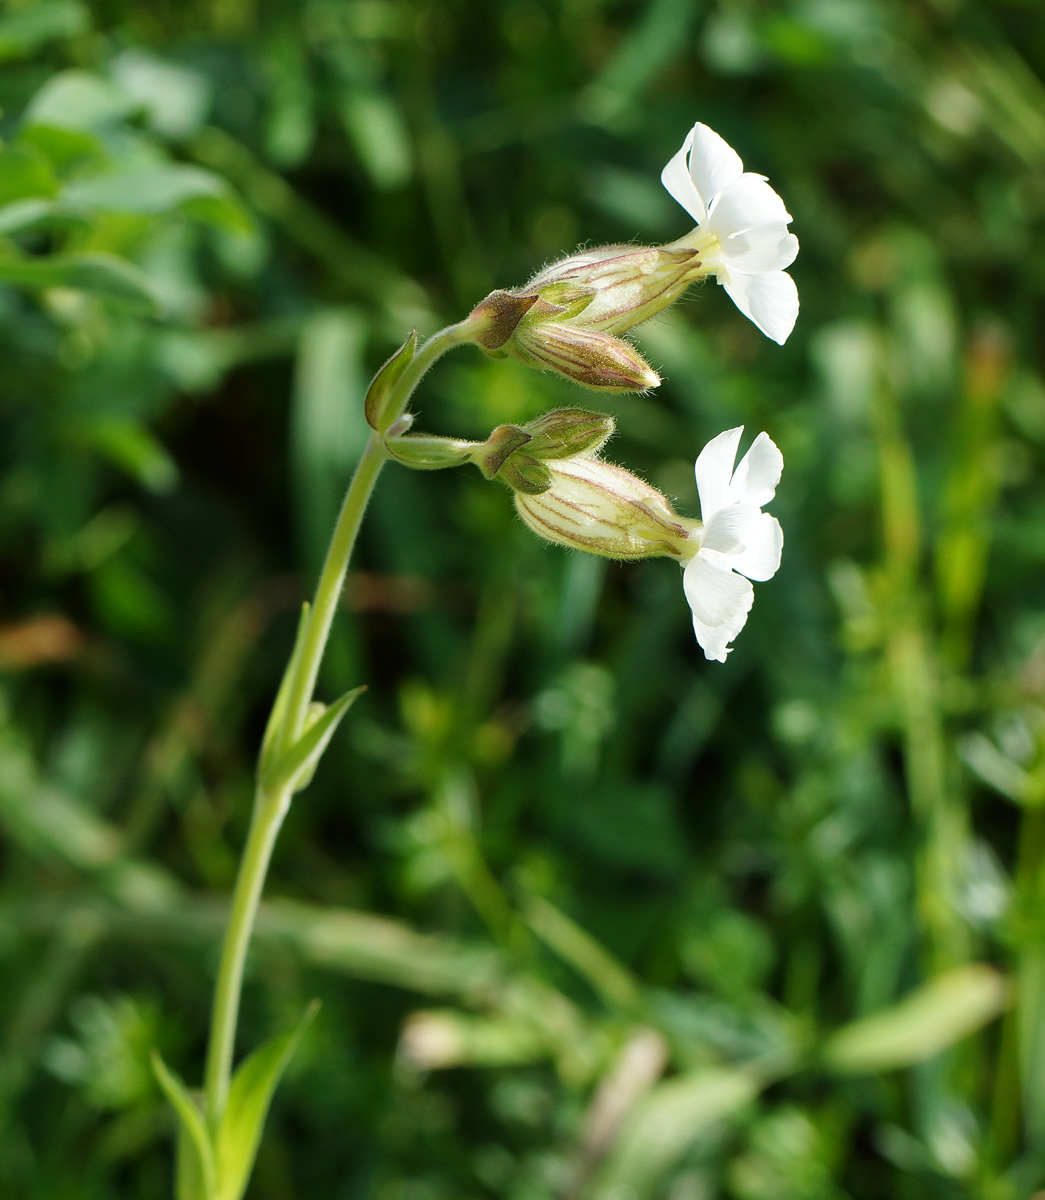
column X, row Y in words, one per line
column 758, row 473
column 714, row 467
column 680, row 186
column 713, row 163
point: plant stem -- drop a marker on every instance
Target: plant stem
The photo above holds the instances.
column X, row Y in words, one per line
column 331, row 582
column 269, row 811
column 270, row 807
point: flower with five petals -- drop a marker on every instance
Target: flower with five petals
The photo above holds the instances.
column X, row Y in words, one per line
column 738, row 541
column 741, row 234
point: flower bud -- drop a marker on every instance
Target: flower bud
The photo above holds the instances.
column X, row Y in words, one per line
column 594, row 359
column 568, row 316
column 595, row 506
column 607, row 290
column 567, row 432
column 621, row 286
column 515, row 454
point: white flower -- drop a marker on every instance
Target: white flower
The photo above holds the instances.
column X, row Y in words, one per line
column 738, row 539
column 741, row 229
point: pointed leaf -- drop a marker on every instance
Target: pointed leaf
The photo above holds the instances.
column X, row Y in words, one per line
column 250, row 1095
column 378, row 413
column 297, row 764
column 425, row 453
column 274, row 729
column 196, row 1177
column 190, row 1182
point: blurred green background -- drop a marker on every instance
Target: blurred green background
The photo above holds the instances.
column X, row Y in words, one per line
column 589, row 917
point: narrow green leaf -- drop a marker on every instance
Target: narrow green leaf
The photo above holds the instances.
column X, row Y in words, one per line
column 274, row 729
column 196, row 1175
column 189, row 1181
column 298, row 763
column 102, row 273
column 156, row 189
column 250, row 1095
column 935, row 1016
column 133, row 447
column 376, row 126
column 425, row 453
column 577, row 947
column 378, row 415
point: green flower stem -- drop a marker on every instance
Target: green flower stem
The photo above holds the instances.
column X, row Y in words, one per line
column 331, row 583
column 271, row 806
column 269, row 811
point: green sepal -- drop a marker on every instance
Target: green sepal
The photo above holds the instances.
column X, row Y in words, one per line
column 525, row 474
column 196, row 1170
column 425, row 453
column 296, row 765
column 497, row 316
column 274, row 729
column 379, row 414
column 566, row 298
column 250, row 1095
column 499, row 447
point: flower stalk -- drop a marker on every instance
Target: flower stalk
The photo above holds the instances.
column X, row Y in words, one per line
column 289, row 726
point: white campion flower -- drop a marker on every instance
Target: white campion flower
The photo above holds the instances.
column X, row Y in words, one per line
column 741, row 233
column 738, row 541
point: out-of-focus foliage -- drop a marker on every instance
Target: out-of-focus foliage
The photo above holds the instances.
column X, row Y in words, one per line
column 589, row 916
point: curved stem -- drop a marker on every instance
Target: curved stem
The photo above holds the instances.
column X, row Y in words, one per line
column 332, row 579
column 271, row 807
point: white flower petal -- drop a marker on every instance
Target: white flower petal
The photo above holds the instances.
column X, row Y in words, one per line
column 713, row 163
column 747, row 202
column 763, row 543
column 714, row 639
column 679, row 183
column 757, row 474
column 714, row 468
column 715, row 593
column 764, row 248
column 727, row 531
column 769, row 300
column 739, row 542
